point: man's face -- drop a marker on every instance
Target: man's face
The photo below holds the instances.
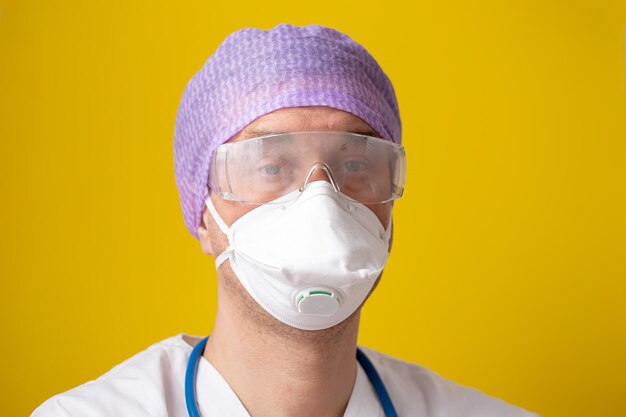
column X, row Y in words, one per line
column 293, row 120
column 213, row 241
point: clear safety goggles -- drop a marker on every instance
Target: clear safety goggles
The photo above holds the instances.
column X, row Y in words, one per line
column 361, row 168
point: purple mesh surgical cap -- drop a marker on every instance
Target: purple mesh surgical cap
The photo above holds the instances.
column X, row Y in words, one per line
column 254, row 72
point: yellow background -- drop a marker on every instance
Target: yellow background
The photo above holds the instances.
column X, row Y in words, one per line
column 509, row 259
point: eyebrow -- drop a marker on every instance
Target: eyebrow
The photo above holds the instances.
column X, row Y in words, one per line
column 255, row 133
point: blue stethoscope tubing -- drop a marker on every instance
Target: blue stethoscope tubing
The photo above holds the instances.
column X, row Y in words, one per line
column 366, row 364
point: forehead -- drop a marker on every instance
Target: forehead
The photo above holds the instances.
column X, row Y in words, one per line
column 296, row 119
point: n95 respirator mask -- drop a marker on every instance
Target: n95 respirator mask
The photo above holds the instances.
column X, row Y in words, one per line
column 309, row 261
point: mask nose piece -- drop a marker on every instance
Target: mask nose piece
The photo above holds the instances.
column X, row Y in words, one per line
column 326, row 169
column 318, row 301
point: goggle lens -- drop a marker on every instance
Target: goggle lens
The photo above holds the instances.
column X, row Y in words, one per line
column 363, row 168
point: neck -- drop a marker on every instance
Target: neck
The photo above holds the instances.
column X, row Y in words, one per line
column 279, row 371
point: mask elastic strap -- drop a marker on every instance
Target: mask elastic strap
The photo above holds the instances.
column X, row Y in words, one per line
column 222, row 257
column 219, row 260
column 218, row 219
column 390, row 225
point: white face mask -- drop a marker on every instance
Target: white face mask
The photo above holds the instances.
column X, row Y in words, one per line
column 311, row 261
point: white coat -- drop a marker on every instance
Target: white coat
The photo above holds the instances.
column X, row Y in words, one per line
column 151, row 384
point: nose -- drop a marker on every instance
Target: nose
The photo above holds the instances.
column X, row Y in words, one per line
column 319, row 172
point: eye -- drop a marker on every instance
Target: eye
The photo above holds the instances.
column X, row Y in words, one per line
column 354, row 166
column 270, row 169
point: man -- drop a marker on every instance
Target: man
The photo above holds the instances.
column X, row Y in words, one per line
column 288, row 160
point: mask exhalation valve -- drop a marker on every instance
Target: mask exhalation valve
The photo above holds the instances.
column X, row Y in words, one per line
column 317, row 301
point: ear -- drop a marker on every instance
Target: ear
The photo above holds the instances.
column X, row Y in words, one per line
column 204, row 235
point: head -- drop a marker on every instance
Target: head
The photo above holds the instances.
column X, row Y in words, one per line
column 287, row 79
